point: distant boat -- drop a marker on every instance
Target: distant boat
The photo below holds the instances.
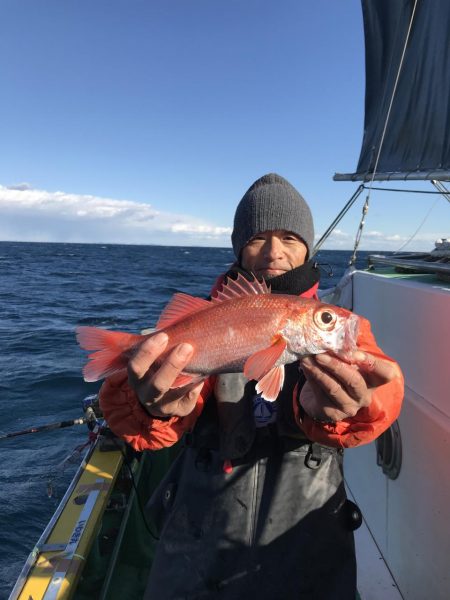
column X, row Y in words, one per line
column 99, row 544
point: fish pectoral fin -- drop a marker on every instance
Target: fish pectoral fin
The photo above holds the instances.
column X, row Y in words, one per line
column 270, row 385
column 259, row 364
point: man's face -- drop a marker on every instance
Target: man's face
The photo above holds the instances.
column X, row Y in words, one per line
column 272, row 253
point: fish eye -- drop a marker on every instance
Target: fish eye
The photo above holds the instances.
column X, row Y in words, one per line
column 325, row 318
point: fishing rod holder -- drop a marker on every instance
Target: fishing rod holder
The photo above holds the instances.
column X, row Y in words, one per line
column 92, row 410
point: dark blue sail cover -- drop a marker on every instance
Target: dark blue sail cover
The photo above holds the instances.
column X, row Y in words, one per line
column 417, row 139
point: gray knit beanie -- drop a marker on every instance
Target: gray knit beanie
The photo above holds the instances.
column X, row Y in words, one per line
column 271, row 203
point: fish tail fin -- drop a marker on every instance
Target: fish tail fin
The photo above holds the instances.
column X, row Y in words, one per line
column 110, row 351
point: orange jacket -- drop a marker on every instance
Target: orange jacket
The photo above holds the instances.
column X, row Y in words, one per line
column 129, row 420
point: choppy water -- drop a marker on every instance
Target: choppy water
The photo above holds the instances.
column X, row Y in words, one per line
column 45, row 291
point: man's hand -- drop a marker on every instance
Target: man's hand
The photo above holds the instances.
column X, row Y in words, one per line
column 153, row 387
column 336, row 390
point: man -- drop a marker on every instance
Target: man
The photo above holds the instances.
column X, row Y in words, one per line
column 255, row 505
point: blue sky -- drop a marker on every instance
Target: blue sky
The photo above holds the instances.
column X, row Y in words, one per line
column 145, row 121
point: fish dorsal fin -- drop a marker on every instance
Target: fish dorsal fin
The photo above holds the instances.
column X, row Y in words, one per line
column 237, row 288
column 179, row 307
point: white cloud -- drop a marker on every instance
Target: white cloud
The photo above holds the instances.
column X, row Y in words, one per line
column 28, row 214
column 377, row 240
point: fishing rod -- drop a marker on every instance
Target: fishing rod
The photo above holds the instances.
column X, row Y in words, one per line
column 48, row 427
column 90, row 408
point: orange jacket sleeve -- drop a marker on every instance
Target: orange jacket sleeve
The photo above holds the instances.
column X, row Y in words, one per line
column 369, row 422
column 128, row 419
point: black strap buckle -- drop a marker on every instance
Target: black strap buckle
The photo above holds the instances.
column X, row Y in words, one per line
column 313, row 458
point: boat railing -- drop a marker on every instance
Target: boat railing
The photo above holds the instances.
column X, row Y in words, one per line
column 41, row 544
column 413, row 263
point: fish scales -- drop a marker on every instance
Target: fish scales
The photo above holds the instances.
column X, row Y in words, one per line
column 245, row 329
column 226, row 334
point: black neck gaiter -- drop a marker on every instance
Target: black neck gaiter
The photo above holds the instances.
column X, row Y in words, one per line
column 296, row 282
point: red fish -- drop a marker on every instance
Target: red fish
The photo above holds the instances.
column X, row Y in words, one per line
column 244, row 328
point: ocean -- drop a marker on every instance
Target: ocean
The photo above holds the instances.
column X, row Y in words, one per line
column 46, row 290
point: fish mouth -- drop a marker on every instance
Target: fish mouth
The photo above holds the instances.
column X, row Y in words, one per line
column 347, row 338
column 351, row 330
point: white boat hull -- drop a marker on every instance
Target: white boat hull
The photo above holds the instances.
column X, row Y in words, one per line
column 409, row 517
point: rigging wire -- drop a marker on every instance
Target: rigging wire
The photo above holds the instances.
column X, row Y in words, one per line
column 383, row 189
column 338, row 218
column 419, row 227
column 388, row 114
column 441, row 189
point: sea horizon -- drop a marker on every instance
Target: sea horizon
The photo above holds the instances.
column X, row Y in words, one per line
column 326, row 249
